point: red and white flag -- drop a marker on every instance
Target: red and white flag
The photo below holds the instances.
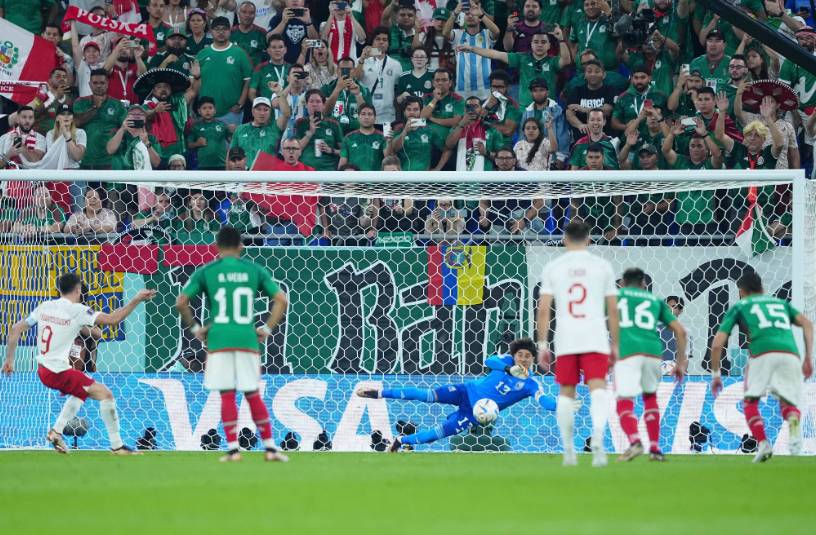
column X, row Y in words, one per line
column 26, row 62
column 137, row 30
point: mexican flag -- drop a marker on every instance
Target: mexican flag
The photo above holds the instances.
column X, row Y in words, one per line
column 753, row 236
column 26, row 61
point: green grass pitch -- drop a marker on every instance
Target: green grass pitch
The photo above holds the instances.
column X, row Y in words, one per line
column 413, row 493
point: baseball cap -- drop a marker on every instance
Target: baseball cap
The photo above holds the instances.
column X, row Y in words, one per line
column 805, row 29
column 641, row 67
column 91, row 43
column 647, row 147
column 538, row 83
column 220, row 21
column 64, row 109
column 261, row 100
column 177, row 30
column 696, row 73
column 236, row 153
column 441, row 13
column 715, row 34
column 177, row 157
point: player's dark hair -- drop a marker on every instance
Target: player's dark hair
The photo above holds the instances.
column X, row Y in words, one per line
column 677, row 299
column 576, row 231
column 634, row 277
column 67, row 283
column 750, row 282
column 522, row 343
column 228, row 238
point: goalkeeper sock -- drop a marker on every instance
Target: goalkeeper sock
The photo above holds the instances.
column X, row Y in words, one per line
column 107, row 410
column 423, row 437
column 416, row 394
column 789, row 410
column 628, row 422
column 69, row 410
column 261, row 418
column 752, row 416
column 565, row 415
column 229, row 418
column 651, row 415
column 599, row 411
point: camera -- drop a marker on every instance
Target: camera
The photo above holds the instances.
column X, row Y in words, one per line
column 635, row 30
column 298, row 11
column 313, row 43
column 137, row 123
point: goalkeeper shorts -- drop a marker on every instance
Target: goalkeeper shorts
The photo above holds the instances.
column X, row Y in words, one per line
column 233, row 370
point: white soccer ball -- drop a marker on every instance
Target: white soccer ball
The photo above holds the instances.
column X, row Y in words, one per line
column 667, row 367
column 485, row 411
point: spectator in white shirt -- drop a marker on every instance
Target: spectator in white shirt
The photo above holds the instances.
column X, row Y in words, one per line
column 379, row 72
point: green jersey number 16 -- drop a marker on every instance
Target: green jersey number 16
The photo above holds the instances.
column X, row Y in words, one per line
column 644, row 318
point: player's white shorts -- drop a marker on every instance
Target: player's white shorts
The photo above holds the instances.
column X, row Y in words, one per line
column 232, row 370
column 781, row 373
column 637, row 374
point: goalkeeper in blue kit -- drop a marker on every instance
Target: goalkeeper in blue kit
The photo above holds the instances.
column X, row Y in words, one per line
column 508, row 382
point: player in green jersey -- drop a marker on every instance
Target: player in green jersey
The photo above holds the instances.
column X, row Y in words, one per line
column 774, row 363
column 638, row 369
column 230, row 285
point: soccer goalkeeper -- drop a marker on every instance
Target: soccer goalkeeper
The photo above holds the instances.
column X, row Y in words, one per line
column 508, row 382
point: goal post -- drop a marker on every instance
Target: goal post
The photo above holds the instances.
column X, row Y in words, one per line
column 394, row 278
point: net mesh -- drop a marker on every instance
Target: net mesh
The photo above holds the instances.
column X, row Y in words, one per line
column 390, row 284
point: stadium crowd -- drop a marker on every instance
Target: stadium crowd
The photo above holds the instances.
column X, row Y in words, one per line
column 428, row 85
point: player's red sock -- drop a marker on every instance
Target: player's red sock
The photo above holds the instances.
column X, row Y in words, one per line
column 229, row 418
column 628, row 422
column 789, row 410
column 755, row 423
column 260, row 415
column 651, row 416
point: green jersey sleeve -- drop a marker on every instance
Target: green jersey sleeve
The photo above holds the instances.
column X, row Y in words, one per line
column 792, row 311
column 514, row 59
column 195, row 285
column 730, row 319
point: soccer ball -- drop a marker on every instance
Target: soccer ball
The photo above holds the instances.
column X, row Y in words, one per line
column 667, row 367
column 485, row 411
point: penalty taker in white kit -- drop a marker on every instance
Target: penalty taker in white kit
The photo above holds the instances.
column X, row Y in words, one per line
column 638, row 370
column 774, row 362
column 583, row 288
column 59, row 322
column 230, row 285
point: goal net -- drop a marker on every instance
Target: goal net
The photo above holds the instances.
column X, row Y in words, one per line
column 394, row 279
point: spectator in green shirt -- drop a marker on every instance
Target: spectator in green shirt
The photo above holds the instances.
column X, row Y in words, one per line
column 682, row 99
column 640, row 95
column 364, row 147
column 251, row 38
column 196, row 225
column 29, row 14
column 402, row 31
column 319, row 136
column 413, row 142
column 345, row 96
column 175, row 54
column 261, row 134
column 208, row 137
column 713, row 65
column 476, row 142
column 43, row 216
column 161, row 214
column 197, row 31
column 272, row 71
column 503, row 111
column 592, row 29
column 417, row 80
column 443, row 108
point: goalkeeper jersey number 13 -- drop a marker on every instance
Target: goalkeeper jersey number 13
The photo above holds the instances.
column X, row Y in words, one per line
column 231, row 286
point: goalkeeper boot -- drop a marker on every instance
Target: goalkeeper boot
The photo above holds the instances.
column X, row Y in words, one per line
column 371, row 393
column 764, row 452
column 794, row 435
column 125, row 450
column 232, row 456
column 396, row 445
column 634, row 450
column 56, row 441
column 275, row 455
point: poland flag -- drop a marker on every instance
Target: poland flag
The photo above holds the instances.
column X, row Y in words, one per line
column 26, row 62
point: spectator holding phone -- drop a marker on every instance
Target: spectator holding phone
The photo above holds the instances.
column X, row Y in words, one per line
column 640, row 95
column 345, row 98
column 445, row 219
column 401, row 17
column 321, row 66
column 522, row 26
column 413, row 141
column 475, row 141
column 262, row 133
column 379, row 72
column 124, row 66
column 295, row 24
column 342, row 31
column 131, row 147
column 295, row 95
column 22, row 142
column 432, row 40
column 319, row 136
column 472, row 73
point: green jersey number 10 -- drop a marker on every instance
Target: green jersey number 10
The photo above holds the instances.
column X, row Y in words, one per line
column 241, row 306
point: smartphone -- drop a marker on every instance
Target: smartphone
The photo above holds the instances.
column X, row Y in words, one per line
column 341, row 6
column 18, row 141
column 318, row 116
column 465, row 5
column 386, row 130
column 648, row 103
column 689, row 121
column 685, row 67
column 298, row 11
column 498, row 96
column 301, row 75
column 137, row 123
column 345, row 72
column 471, row 107
column 313, row 43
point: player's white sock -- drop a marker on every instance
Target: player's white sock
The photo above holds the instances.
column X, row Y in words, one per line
column 565, row 415
column 69, row 410
column 107, row 410
column 599, row 410
column 269, row 443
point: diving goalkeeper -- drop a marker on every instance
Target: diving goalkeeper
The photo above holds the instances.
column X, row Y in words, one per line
column 508, row 382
